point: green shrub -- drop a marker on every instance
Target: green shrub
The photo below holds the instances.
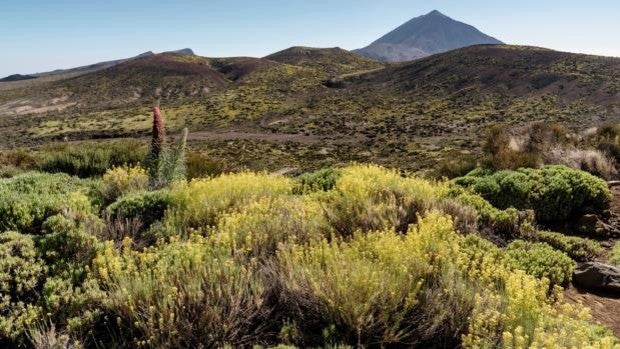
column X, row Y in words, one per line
column 148, row 207
column 577, row 248
column 28, row 199
column 88, row 160
column 555, row 193
column 21, row 276
column 46, row 274
column 506, row 223
column 321, row 180
column 68, row 248
column 201, row 166
column 541, row 260
column 66, row 245
column 456, row 166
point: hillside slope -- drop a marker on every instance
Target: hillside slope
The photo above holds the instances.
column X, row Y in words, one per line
column 351, row 108
column 334, row 61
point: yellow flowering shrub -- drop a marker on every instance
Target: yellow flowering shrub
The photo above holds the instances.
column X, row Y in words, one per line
column 381, row 287
column 370, row 197
column 360, row 256
column 262, row 226
column 182, row 294
column 375, row 288
column 122, row 180
column 198, row 204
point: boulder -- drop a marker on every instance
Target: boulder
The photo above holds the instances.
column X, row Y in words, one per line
column 591, row 225
column 597, row 276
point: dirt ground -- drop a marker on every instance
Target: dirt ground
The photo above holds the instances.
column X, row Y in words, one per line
column 605, row 308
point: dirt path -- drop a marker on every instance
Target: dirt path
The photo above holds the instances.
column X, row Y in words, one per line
column 605, row 308
column 234, row 135
column 224, row 135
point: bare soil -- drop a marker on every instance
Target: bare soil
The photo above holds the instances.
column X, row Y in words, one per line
column 605, row 308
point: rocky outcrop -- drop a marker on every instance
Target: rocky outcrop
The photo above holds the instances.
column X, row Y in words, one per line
column 597, row 277
column 594, row 226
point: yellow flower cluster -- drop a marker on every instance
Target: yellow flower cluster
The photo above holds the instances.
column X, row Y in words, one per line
column 198, row 204
column 370, row 258
column 124, row 179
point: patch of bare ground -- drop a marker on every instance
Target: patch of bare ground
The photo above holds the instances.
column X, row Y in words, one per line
column 270, row 137
column 605, row 307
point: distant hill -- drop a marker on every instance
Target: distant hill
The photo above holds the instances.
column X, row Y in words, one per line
column 91, row 67
column 60, row 74
column 17, row 77
column 423, row 36
column 334, row 61
column 183, row 52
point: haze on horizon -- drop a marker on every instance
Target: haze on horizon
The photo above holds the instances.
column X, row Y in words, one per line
column 41, row 36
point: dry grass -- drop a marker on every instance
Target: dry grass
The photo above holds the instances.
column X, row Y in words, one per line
column 589, row 160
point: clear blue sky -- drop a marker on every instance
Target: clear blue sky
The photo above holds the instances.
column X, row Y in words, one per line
column 44, row 35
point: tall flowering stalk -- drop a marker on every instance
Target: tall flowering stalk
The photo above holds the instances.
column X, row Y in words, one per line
column 158, row 137
column 165, row 166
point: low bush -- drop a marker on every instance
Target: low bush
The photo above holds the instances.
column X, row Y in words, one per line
column 148, row 207
column 577, row 248
column 68, row 247
column 321, row 180
column 28, row 199
column 555, row 193
column 379, row 288
column 183, row 295
column 201, row 166
column 465, row 217
column 369, row 197
column 119, row 181
column 503, row 223
column 541, row 260
column 88, row 160
column 47, row 337
column 456, row 166
column 260, row 228
column 505, row 152
column 21, row 276
column 198, row 204
column 19, row 159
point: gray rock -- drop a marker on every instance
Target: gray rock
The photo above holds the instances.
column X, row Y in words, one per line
column 590, row 224
column 597, row 276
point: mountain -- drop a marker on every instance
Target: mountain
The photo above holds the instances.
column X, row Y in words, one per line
column 423, row 36
column 17, row 77
column 91, row 67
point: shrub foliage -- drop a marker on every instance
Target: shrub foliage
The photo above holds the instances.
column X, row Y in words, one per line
column 555, row 193
column 360, row 256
